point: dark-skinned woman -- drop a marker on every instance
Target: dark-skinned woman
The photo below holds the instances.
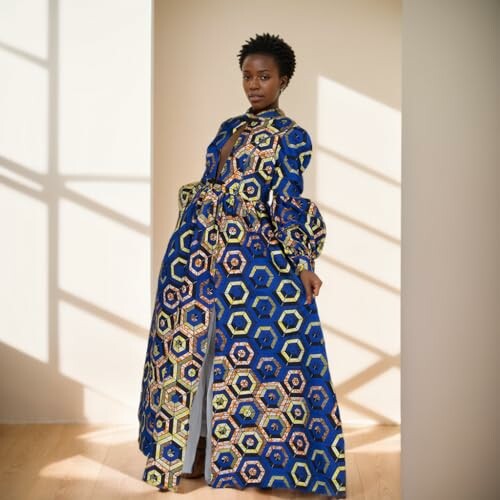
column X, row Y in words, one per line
column 237, row 386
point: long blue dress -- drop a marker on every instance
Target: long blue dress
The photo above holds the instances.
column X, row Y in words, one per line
column 233, row 261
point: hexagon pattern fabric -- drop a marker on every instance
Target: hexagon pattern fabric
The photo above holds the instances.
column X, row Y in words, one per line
column 241, row 239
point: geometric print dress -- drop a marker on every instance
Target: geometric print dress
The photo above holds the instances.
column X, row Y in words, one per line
column 243, row 234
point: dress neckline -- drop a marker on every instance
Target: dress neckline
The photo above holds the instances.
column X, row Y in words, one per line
column 264, row 113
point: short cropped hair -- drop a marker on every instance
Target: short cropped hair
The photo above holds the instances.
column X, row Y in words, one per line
column 274, row 46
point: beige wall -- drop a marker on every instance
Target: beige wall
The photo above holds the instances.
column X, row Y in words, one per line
column 451, row 248
column 346, row 92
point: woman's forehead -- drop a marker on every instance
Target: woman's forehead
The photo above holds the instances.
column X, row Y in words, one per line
column 259, row 62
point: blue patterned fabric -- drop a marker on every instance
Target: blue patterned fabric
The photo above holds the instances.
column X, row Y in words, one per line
column 239, row 243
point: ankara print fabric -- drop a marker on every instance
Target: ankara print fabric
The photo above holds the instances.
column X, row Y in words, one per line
column 238, row 246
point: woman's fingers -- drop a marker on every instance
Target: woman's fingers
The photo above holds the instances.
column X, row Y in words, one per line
column 308, row 292
column 316, row 286
column 311, row 283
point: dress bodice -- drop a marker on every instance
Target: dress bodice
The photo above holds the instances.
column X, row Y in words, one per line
column 261, row 183
column 252, row 157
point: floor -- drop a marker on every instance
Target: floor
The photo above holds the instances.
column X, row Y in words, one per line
column 98, row 462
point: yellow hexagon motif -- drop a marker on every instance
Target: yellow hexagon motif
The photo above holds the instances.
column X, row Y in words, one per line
column 177, row 261
column 164, row 324
column 210, row 238
column 292, row 142
column 290, row 321
column 153, row 477
column 266, row 168
column 288, row 291
column 273, row 394
column 266, row 337
column 264, row 306
column 325, row 458
column 280, row 262
column 314, row 325
column 311, row 359
column 239, row 323
column 223, row 430
column 180, row 424
column 338, row 485
column 173, row 446
column 338, row 453
column 319, row 485
column 220, row 402
column 316, row 224
column 243, row 382
column 263, row 139
column 179, row 343
column 250, row 442
column 303, row 157
column 237, row 296
column 293, row 350
column 250, row 189
column 226, row 457
column 182, row 243
column 301, row 474
column 297, row 411
column 281, row 480
column 265, row 276
column 233, row 230
column 247, row 411
column 174, row 399
column 275, row 426
column 169, row 376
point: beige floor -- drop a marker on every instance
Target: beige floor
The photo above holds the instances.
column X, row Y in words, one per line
column 74, row 462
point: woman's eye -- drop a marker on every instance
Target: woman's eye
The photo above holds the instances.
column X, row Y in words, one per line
column 263, row 77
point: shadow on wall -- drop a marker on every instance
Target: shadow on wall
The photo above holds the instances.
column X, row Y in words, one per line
column 357, row 185
column 75, row 261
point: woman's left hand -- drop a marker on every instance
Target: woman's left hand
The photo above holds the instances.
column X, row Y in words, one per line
column 311, row 283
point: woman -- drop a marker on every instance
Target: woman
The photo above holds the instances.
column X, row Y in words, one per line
column 236, row 350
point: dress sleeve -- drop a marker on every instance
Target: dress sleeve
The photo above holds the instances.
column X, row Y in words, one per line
column 297, row 222
column 185, row 196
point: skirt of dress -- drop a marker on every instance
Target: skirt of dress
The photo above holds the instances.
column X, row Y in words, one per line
column 272, row 419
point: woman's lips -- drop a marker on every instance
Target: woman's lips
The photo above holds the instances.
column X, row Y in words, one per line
column 256, row 97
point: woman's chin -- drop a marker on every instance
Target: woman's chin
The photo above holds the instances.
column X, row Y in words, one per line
column 258, row 105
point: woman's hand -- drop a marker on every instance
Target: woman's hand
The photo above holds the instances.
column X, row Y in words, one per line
column 311, row 283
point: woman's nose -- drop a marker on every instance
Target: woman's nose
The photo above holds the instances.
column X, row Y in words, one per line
column 254, row 83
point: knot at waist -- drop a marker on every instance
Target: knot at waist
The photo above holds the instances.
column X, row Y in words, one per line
column 237, row 198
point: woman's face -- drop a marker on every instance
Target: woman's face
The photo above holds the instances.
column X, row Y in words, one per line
column 261, row 81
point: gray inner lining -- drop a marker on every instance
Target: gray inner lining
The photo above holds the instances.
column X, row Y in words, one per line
column 200, row 419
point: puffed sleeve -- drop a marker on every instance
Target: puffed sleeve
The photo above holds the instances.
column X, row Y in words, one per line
column 185, row 196
column 297, row 221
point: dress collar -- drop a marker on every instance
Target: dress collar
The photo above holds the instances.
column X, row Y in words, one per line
column 264, row 114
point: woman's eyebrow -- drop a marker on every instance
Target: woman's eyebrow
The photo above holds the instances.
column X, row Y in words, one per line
column 258, row 71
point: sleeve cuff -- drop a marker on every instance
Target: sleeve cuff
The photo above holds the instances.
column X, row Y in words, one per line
column 303, row 262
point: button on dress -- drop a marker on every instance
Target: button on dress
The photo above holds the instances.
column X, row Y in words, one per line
column 234, row 352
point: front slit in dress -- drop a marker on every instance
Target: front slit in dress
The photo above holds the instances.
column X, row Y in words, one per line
column 200, row 420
